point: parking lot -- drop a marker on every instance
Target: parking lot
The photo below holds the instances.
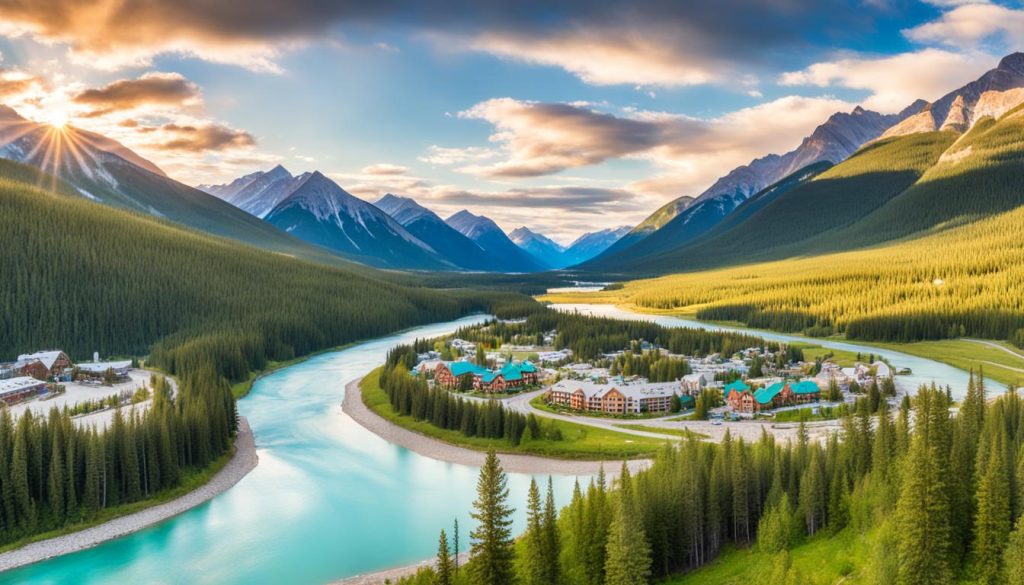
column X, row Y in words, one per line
column 76, row 392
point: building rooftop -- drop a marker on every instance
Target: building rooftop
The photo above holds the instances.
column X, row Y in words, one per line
column 634, row 391
column 48, row 357
column 18, row 384
column 100, row 367
column 738, row 385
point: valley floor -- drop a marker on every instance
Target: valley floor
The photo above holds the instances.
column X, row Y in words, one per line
column 1000, row 360
column 356, row 407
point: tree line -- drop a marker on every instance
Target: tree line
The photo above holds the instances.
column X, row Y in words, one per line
column 85, row 278
column 588, row 337
column 651, row 365
column 412, row 396
column 55, row 472
column 939, row 497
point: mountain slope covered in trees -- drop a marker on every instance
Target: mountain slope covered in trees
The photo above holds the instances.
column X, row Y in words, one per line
column 100, row 169
column 86, row 278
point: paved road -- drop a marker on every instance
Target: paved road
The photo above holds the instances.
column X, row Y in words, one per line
column 748, row 430
column 1012, row 352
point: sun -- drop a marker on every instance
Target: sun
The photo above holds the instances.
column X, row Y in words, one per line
column 56, row 118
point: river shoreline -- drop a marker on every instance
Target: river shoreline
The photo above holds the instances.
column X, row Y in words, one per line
column 429, row 447
column 242, row 462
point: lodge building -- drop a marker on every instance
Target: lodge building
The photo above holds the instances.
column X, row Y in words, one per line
column 741, row 398
column 511, row 376
column 613, row 398
column 43, row 365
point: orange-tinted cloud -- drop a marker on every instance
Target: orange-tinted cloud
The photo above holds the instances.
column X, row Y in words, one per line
column 209, row 137
column 164, row 89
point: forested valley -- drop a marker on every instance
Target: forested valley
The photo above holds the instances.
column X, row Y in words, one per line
column 938, row 498
column 85, row 277
column 55, row 473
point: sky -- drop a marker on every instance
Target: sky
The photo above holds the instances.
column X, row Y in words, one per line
column 566, row 116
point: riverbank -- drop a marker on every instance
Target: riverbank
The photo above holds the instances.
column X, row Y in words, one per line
column 354, row 406
column 242, row 462
column 395, row 573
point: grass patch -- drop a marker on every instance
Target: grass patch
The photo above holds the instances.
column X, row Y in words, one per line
column 822, row 560
column 578, row 442
column 840, row 357
column 190, row 481
column 684, row 433
column 1002, row 366
column 824, row 413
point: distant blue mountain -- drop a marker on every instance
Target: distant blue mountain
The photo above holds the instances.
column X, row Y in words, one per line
column 425, row 225
column 489, row 236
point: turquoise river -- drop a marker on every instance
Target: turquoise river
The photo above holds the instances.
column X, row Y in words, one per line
column 329, row 499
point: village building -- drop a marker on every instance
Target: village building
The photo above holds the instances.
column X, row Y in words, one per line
column 692, row 384
column 100, row 369
column 740, row 397
column 553, row 357
column 773, row 396
column 510, row 376
column 806, row 391
column 14, row 390
column 831, row 372
column 743, row 399
column 54, row 363
column 613, row 398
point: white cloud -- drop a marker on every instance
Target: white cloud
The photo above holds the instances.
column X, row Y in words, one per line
column 441, row 155
column 608, row 56
column 538, row 139
column 385, row 169
column 973, row 25
column 895, row 81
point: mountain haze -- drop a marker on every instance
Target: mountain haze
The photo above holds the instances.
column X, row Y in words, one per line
column 425, row 225
column 489, row 236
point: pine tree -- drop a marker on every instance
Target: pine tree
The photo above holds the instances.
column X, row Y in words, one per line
column 628, row 557
column 444, row 569
column 455, row 547
column 775, row 530
column 532, row 563
column 491, row 549
column 923, row 510
column 551, row 540
column 1014, row 556
column 992, row 523
column 573, row 535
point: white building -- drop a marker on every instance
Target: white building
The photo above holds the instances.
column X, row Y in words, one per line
column 120, row 368
column 692, row 384
column 17, row 389
column 614, row 398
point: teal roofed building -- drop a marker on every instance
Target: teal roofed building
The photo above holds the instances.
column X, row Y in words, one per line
column 463, row 368
column 806, row 391
column 738, row 386
column 509, row 376
column 767, row 396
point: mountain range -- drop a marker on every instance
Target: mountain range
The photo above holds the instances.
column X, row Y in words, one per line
column 486, row 234
column 443, row 238
column 673, row 238
column 859, row 178
column 949, row 163
column 555, row 256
